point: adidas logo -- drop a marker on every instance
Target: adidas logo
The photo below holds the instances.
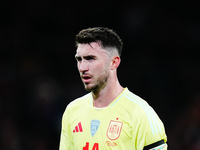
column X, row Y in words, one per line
column 78, row 128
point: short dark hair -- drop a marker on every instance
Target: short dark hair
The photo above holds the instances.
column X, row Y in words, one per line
column 107, row 37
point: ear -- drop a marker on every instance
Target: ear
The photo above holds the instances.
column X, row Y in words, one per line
column 115, row 62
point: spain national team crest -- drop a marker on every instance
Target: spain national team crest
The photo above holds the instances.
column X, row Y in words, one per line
column 114, row 129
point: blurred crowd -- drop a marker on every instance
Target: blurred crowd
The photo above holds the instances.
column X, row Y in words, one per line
column 38, row 74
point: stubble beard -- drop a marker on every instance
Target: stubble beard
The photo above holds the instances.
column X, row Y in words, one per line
column 99, row 83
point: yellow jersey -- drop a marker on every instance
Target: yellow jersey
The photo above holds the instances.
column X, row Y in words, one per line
column 128, row 123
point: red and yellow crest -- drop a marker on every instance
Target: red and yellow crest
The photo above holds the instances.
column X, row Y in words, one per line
column 114, row 129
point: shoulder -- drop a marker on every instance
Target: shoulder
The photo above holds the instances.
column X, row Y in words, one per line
column 79, row 101
column 145, row 113
column 137, row 103
column 76, row 106
column 151, row 126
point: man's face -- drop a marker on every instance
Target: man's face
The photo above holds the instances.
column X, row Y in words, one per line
column 93, row 65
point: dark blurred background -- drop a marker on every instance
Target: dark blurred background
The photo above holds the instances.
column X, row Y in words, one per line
column 38, row 74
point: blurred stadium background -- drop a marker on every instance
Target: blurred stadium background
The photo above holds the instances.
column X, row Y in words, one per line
column 38, row 74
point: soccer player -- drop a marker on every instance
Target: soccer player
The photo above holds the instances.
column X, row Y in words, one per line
column 109, row 117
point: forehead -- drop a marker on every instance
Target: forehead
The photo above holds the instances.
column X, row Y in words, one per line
column 93, row 48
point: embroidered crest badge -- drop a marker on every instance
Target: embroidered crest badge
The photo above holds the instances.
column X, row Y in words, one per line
column 114, row 129
column 94, row 126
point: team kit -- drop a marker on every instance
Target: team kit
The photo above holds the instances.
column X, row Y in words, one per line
column 112, row 128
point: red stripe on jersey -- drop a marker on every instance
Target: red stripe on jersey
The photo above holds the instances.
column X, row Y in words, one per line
column 76, row 128
column 80, row 127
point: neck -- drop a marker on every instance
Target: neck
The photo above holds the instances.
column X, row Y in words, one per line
column 107, row 94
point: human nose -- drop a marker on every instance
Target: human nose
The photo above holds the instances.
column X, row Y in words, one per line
column 82, row 66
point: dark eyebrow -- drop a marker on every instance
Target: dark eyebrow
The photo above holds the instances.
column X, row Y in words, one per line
column 89, row 57
column 77, row 57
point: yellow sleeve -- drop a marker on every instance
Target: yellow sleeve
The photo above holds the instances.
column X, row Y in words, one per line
column 66, row 137
column 151, row 129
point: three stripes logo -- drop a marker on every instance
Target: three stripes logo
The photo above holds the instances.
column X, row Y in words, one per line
column 78, row 128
